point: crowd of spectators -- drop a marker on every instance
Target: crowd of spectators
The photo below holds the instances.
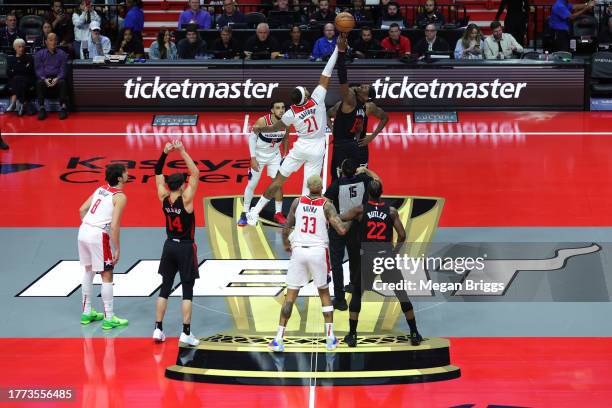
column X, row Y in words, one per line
column 38, row 66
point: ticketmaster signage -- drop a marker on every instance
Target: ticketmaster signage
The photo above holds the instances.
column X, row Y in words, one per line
column 195, row 87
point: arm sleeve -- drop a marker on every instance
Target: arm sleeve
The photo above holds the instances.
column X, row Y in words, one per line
column 489, row 54
column 159, row 166
column 252, row 143
column 95, row 17
column 332, row 191
column 319, row 95
column 207, row 21
column 342, row 74
column 180, row 21
column 106, row 46
column 515, row 44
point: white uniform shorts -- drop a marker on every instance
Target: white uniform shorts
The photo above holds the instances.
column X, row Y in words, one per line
column 95, row 248
column 310, row 154
column 272, row 163
column 308, row 263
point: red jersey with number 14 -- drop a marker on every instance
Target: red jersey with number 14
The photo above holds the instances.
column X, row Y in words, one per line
column 179, row 223
column 310, row 223
column 376, row 222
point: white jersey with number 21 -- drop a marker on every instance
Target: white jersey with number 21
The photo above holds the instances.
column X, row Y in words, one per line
column 309, row 119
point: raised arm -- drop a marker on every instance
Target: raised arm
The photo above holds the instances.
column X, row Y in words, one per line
column 373, row 110
column 502, row 7
column 119, row 202
column 349, row 100
column 194, row 176
column 289, row 225
column 160, row 182
column 329, row 69
column 331, row 113
column 334, row 220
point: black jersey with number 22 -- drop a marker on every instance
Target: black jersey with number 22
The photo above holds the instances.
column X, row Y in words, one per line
column 376, row 222
column 179, row 223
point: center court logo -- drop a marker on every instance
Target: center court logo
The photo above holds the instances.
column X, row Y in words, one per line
column 158, row 89
column 436, row 89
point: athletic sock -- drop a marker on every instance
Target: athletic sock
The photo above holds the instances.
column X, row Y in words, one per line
column 107, row 299
column 353, row 326
column 86, row 289
column 279, row 333
column 329, row 329
column 278, row 206
column 159, row 325
column 187, row 329
column 261, row 203
column 412, row 325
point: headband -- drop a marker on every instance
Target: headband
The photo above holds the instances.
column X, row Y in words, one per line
column 303, row 93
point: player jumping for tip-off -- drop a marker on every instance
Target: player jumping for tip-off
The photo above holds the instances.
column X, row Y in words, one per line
column 308, row 116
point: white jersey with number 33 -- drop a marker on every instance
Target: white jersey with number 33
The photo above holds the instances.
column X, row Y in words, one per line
column 310, row 223
column 310, row 118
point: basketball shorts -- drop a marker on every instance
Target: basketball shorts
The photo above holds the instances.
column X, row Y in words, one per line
column 95, row 248
column 272, row 163
column 179, row 256
column 306, row 264
column 311, row 154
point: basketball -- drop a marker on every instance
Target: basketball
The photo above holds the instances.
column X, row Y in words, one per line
column 345, row 22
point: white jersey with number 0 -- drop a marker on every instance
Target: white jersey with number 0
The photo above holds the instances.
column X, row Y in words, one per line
column 310, row 223
column 100, row 213
column 309, row 119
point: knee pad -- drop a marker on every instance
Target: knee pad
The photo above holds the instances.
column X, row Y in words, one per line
column 166, row 288
column 187, row 290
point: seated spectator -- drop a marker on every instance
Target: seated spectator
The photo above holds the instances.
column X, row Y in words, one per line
column 195, row 15
column 225, row 47
column 163, row 48
column 395, row 42
column 470, row 45
column 262, row 45
column 283, row 20
column 20, row 74
column 50, row 66
column 392, row 15
column 381, row 9
column 431, row 15
column 130, row 45
column 500, row 45
column 559, row 21
column 431, row 42
column 323, row 14
column 366, row 46
column 192, row 46
column 134, row 19
column 61, row 24
column 230, row 15
column 46, row 30
column 324, row 46
column 97, row 45
column 9, row 33
column 296, row 47
column 360, row 13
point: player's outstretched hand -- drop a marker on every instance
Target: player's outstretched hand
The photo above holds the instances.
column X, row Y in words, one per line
column 342, row 42
column 178, row 145
column 255, row 164
column 168, row 148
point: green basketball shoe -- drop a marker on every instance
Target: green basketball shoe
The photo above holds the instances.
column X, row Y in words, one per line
column 113, row 323
column 93, row 316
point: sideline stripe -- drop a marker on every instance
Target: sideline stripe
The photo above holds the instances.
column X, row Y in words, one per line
column 453, row 133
